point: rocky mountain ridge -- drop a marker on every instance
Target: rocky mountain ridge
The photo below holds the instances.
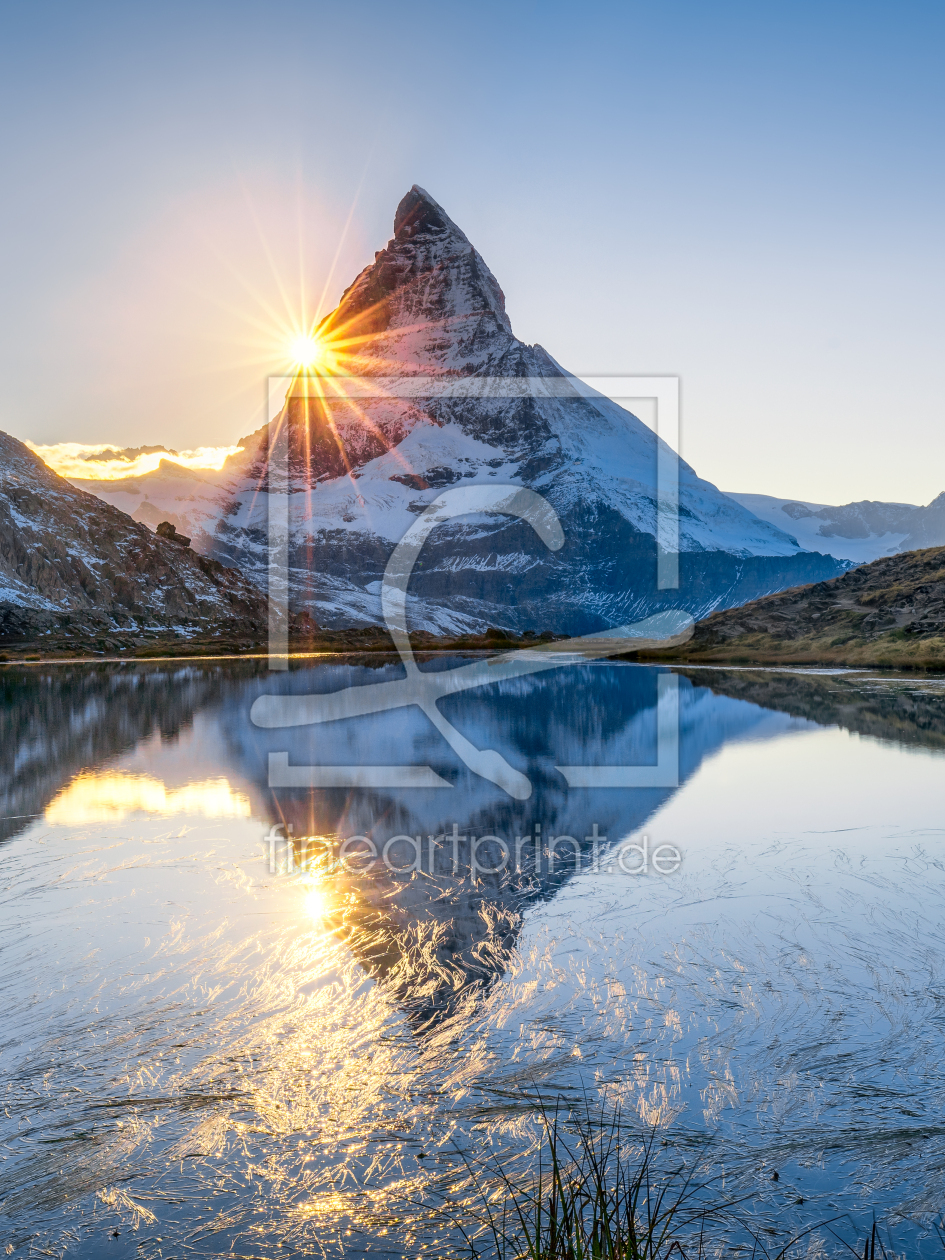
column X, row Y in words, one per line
column 862, row 531
column 74, row 566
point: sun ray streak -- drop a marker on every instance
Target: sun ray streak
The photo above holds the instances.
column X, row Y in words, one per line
column 343, row 237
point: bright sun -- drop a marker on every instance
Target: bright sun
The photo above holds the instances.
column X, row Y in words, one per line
column 307, row 351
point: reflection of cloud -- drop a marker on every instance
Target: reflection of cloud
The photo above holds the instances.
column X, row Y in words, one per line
column 111, row 796
column 78, row 461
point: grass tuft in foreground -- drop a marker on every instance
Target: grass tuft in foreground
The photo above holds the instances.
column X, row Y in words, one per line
column 598, row 1196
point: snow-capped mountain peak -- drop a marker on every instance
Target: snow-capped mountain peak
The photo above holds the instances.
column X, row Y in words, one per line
column 428, row 301
column 429, row 308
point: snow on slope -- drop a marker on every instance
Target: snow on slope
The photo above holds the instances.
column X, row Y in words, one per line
column 860, row 532
column 428, row 307
column 613, row 451
column 191, row 501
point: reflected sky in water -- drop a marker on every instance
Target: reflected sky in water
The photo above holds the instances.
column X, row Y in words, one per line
column 206, row 1055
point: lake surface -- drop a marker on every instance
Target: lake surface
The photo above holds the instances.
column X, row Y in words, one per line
column 217, row 1042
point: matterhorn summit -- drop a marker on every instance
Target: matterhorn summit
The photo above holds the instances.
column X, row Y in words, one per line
column 486, row 410
column 428, row 302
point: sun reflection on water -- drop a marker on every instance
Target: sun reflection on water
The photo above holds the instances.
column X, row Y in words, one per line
column 317, row 903
column 287, row 1052
column 113, row 795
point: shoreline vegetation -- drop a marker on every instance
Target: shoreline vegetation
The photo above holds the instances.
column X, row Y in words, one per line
column 605, row 1190
column 891, row 651
column 369, row 640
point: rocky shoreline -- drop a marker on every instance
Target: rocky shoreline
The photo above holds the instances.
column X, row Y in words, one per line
column 884, row 654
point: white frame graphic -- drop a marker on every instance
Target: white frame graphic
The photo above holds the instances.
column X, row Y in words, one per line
column 423, row 689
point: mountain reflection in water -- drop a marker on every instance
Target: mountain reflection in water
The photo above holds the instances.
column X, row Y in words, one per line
column 266, row 1056
column 433, row 934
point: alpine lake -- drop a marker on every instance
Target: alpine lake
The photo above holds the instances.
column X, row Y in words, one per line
column 304, row 986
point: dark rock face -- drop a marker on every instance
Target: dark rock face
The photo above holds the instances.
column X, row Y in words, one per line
column 860, row 520
column 169, row 531
column 428, row 273
column 70, row 561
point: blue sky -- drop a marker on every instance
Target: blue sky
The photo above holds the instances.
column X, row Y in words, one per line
column 747, row 195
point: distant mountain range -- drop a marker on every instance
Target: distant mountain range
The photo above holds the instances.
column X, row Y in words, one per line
column 193, row 501
column 359, row 475
column 860, row 531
